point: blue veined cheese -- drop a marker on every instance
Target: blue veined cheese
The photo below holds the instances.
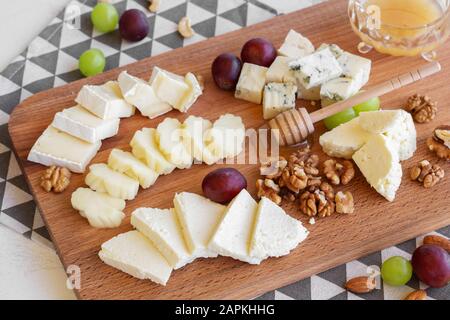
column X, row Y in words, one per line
column 355, row 67
column 279, row 71
column 251, row 83
column 278, row 97
column 295, row 45
column 338, row 89
column 308, row 94
column 316, row 69
column 334, row 48
column 140, row 94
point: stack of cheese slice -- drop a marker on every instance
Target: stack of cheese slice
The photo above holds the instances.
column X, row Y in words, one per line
column 377, row 141
column 198, row 227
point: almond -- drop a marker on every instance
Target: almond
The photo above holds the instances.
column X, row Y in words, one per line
column 416, row 295
column 361, row 284
column 438, row 241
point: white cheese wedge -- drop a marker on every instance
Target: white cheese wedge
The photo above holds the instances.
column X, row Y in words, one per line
column 145, row 147
column 275, row 233
column 316, row 69
column 378, row 161
column 173, row 143
column 278, row 97
column 169, row 87
column 195, row 129
column 344, row 140
column 397, row 125
column 162, row 227
column 338, row 89
column 134, row 254
column 140, row 94
column 193, row 93
column 334, row 48
column 199, row 218
column 307, row 94
column 251, row 83
column 124, row 162
column 295, row 45
column 58, row 148
column 225, row 139
column 100, row 209
column 105, row 101
column 233, row 235
column 355, row 67
column 279, row 71
column 102, row 178
column 82, row 124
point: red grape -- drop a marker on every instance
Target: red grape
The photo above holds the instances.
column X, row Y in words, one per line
column 259, row 51
column 431, row 264
column 222, row 185
column 133, row 25
column 226, row 69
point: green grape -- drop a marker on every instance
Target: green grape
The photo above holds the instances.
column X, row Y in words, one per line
column 339, row 118
column 104, row 17
column 370, row 105
column 91, row 62
column 396, row 271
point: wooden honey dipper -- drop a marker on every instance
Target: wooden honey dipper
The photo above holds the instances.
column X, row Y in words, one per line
column 295, row 125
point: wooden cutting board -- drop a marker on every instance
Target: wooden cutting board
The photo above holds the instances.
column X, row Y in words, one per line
column 375, row 225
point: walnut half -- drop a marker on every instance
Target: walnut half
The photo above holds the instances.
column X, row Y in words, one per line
column 421, row 108
column 344, row 202
column 337, row 172
column 56, row 179
column 269, row 189
column 426, row 173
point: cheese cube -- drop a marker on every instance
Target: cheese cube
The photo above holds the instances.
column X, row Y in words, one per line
column 307, row 94
column 378, row 161
column 295, row 45
column 169, row 87
column 82, row 124
column 334, row 48
column 275, row 232
column 126, row 163
column 278, row 97
column 338, row 89
column 101, row 178
column 140, row 94
column 316, row 69
column 233, row 235
column 100, row 209
column 355, row 67
column 344, row 140
column 195, row 129
column 279, row 71
column 193, row 93
column 55, row 147
column 105, row 101
column 162, row 228
column 134, row 254
column 172, row 141
column 145, row 147
column 199, row 218
column 251, row 83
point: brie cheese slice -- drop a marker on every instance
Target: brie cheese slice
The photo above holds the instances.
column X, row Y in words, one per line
column 169, row 87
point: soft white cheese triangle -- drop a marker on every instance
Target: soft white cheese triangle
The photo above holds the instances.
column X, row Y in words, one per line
column 102, row 178
column 233, row 235
column 100, row 209
column 378, row 161
column 133, row 253
column 58, row 148
column 145, row 147
column 199, row 218
column 275, row 232
column 162, row 227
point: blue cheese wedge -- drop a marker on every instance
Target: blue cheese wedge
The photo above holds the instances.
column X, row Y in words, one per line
column 162, row 228
column 233, row 235
column 102, row 178
column 140, row 94
column 334, row 48
column 275, row 233
column 198, row 218
column 100, row 209
column 295, row 45
column 144, row 146
column 279, row 71
column 338, row 89
column 251, row 83
column 278, row 97
column 58, row 148
column 316, row 69
column 124, row 162
column 378, row 161
column 133, row 253
column 82, row 124
column 105, row 101
column 355, row 67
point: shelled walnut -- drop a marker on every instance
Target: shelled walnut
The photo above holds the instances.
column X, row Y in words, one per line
column 344, row 202
column 318, row 201
column 421, row 108
column 56, row 179
column 273, row 169
column 440, row 142
column 337, row 172
column 269, row 189
column 426, row 173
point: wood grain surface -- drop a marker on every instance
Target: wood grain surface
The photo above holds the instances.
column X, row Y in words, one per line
column 375, row 225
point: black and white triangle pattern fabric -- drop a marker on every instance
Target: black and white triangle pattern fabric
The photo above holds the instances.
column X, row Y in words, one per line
column 51, row 60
